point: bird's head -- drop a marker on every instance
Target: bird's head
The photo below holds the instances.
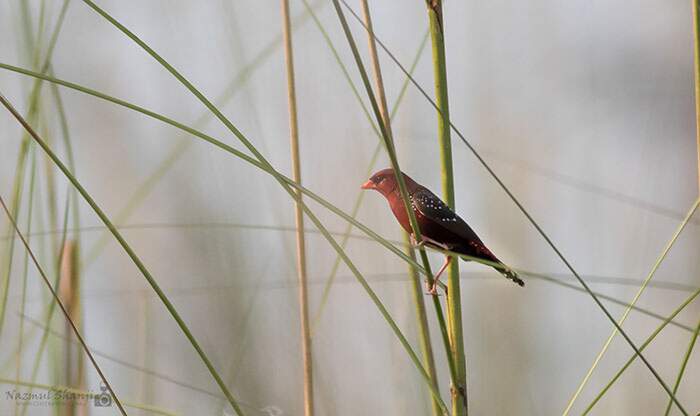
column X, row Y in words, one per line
column 385, row 182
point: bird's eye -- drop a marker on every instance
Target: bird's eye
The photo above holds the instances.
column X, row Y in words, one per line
column 382, row 180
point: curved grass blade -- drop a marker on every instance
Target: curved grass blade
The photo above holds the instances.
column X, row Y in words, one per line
column 686, row 358
column 31, row 114
column 183, row 144
column 625, row 314
column 391, row 151
column 281, row 179
column 128, row 249
column 388, row 244
column 526, row 213
column 53, row 291
column 373, row 158
column 696, row 73
column 368, row 231
column 416, row 287
column 611, row 299
column 135, row 367
column 248, row 159
column 641, row 348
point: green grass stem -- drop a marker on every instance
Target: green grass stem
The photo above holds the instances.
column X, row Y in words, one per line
column 522, row 209
column 628, row 309
column 264, row 163
column 416, row 287
column 20, row 336
column 454, row 293
column 53, row 290
column 646, row 343
column 137, row 261
column 684, row 364
column 373, row 159
column 183, row 143
column 196, row 133
column 391, row 150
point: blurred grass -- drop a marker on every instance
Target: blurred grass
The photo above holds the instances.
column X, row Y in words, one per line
column 305, row 325
column 391, row 151
column 171, row 161
column 183, row 143
column 646, row 343
column 131, row 253
column 375, row 154
column 264, row 164
column 416, row 287
column 628, row 309
column 51, row 288
column 25, row 272
column 522, row 209
column 326, row 204
column 684, row 364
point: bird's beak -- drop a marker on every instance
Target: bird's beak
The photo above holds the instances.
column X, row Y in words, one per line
column 368, row 185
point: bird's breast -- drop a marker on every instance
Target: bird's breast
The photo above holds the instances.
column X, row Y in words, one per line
column 399, row 210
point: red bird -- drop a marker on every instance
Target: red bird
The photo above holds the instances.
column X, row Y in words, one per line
column 439, row 226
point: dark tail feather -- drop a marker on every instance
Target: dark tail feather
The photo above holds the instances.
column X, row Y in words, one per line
column 511, row 275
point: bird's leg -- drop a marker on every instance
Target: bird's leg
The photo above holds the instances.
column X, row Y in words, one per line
column 416, row 244
column 432, row 289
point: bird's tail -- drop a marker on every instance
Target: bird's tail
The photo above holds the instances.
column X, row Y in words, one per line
column 510, row 274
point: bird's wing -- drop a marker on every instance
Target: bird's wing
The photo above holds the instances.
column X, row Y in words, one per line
column 431, row 207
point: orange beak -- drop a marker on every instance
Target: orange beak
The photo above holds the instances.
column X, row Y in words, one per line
column 368, row 185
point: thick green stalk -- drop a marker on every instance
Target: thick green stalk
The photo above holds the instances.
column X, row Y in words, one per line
column 527, row 215
column 628, row 309
column 505, row 189
column 370, row 235
column 454, row 293
column 307, row 362
column 391, row 150
column 424, row 329
column 422, row 320
column 284, row 182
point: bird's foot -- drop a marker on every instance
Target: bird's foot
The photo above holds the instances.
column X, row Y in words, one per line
column 417, row 244
column 431, row 289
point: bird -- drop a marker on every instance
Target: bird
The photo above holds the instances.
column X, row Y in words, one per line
column 439, row 226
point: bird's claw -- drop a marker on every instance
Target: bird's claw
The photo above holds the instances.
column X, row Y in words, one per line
column 431, row 289
column 417, row 244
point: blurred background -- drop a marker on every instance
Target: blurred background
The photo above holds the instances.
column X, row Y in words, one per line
column 584, row 108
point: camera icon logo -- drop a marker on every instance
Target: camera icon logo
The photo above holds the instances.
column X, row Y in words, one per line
column 103, row 399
